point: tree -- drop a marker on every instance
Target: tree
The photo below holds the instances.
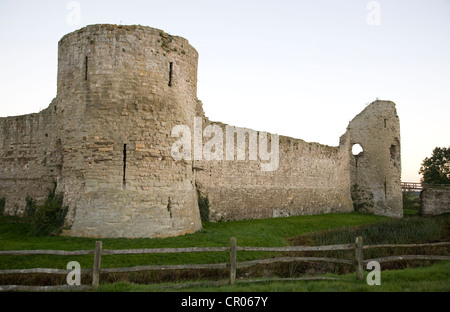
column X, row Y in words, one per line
column 436, row 169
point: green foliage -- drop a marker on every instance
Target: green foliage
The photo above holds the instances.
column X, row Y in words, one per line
column 47, row 218
column 166, row 40
column 411, row 230
column 388, row 231
column 30, row 207
column 436, row 169
column 410, row 200
column 203, row 205
column 2, row 206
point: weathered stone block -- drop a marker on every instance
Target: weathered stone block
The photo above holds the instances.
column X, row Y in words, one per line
column 435, row 201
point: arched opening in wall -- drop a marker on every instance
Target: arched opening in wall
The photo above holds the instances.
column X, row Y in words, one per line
column 357, row 149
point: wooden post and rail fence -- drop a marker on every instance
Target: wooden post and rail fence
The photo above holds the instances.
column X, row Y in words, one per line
column 232, row 265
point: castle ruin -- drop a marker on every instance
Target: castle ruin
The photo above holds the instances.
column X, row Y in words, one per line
column 107, row 140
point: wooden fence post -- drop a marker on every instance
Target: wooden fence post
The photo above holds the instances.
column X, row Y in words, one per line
column 97, row 263
column 232, row 260
column 359, row 258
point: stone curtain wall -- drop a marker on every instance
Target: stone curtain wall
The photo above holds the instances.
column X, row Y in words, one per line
column 30, row 157
column 311, row 179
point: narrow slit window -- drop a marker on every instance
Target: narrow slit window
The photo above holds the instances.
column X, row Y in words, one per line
column 385, row 190
column 124, row 164
column 86, row 68
column 170, row 73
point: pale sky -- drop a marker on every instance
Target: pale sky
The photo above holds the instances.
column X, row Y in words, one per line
column 302, row 69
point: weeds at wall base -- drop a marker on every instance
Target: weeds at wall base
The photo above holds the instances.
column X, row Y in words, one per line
column 48, row 217
column 2, row 206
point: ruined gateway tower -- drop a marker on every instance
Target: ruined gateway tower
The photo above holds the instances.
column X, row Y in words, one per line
column 106, row 140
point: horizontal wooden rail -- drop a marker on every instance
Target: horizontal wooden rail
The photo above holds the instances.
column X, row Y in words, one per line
column 407, row 257
column 232, row 265
column 292, row 259
column 43, row 271
column 299, row 248
column 44, row 288
column 162, row 250
column 405, row 245
column 46, row 252
column 166, row 267
column 288, row 279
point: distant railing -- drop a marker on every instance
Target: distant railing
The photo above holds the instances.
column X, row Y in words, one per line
column 411, row 186
column 421, row 186
column 232, row 265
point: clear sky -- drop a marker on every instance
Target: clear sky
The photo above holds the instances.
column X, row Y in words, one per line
column 296, row 68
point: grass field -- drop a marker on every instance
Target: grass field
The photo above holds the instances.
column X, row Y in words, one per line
column 300, row 230
column 268, row 232
column 433, row 278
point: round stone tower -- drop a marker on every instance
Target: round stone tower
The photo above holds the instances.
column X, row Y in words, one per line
column 121, row 90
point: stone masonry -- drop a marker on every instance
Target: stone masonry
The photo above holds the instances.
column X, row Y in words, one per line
column 434, row 201
column 107, row 140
